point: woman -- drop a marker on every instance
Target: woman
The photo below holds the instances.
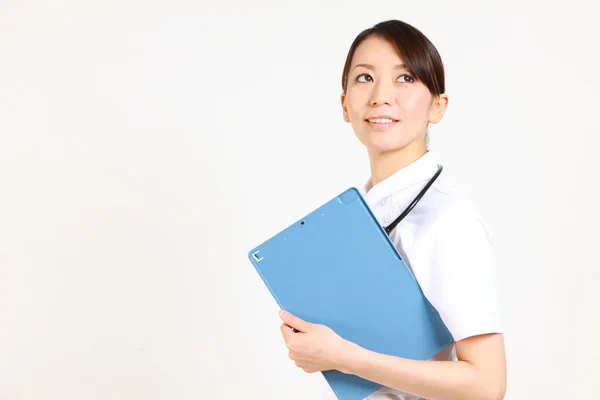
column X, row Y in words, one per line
column 393, row 88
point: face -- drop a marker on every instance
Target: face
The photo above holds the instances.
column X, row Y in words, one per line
column 387, row 108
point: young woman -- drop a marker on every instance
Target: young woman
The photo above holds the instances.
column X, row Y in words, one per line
column 393, row 88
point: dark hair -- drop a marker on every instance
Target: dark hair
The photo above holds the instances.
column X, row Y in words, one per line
column 418, row 53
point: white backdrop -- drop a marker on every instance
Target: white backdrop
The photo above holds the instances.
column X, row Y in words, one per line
column 145, row 147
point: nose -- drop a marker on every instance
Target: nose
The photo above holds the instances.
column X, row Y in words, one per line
column 383, row 93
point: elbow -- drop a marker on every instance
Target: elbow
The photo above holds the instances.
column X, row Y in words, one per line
column 494, row 391
column 488, row 394
column 490, row 387
column 498, row 396
column 501, row 393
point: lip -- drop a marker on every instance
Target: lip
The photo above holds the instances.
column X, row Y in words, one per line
column 380, row 125
column 381, row 116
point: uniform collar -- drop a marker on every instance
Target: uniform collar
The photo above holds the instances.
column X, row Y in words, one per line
column 421, row 169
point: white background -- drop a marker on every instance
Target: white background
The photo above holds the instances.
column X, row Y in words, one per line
column 146, row 147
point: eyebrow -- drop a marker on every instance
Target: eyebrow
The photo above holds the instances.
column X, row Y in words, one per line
column 369, row 66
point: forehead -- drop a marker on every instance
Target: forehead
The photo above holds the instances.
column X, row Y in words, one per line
column 376, row 50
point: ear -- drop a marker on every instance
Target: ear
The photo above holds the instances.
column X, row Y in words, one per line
column 438, row 108
column 344, row 109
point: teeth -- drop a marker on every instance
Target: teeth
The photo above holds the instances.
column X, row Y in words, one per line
column 381, row 120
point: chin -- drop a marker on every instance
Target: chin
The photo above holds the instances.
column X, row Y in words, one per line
column 384, row 146
column 388, row 143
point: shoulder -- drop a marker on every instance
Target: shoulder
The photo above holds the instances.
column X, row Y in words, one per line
column 446, row 238
column 451, row 210
column 457, row 263
column 451, row 215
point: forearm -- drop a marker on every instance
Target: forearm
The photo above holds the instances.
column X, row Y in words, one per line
column 435, row 380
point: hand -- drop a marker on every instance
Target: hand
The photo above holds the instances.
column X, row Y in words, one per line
column 315, row 347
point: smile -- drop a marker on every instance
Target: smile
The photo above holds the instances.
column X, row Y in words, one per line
column 381, row 122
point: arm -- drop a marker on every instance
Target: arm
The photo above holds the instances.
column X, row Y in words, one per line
column 459, row 264
column 479, row 373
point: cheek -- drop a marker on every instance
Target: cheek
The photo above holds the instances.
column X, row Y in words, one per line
column 352, row 105
column 356, row 101
column 354, row 114
column 415, row 105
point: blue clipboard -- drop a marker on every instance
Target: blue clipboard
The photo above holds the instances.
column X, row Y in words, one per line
column 338, row 267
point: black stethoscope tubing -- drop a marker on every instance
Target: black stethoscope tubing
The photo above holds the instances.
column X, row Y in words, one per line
column 408, row 209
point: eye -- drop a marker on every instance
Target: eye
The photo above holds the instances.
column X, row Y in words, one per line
column 366, row 76
column 406, row 78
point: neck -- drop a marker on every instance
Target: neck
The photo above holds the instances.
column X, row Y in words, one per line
column 385, row 164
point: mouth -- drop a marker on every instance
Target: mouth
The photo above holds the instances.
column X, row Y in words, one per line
column 381, row 121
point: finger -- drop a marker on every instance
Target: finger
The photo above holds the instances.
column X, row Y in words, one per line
column 294, row 321
column 309, row 369
column 287, row 333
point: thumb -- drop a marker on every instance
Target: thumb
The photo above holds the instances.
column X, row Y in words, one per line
column 294, row 322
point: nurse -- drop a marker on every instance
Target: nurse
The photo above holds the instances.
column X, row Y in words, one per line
column 392, row 88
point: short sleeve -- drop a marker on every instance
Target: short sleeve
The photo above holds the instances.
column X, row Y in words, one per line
column 463, row 283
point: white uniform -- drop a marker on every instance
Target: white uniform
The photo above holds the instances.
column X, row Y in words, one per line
column 448, row 247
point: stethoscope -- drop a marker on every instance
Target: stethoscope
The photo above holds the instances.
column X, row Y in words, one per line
column 408, row 209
